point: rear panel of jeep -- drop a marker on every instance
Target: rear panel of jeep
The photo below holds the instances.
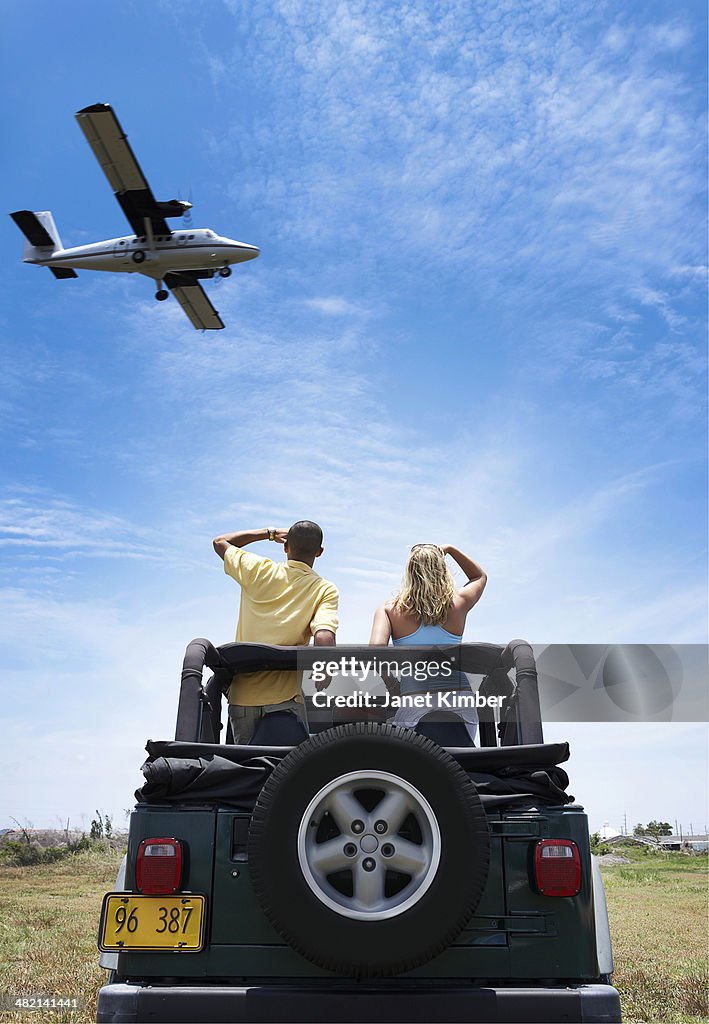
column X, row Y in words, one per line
column 515, row 934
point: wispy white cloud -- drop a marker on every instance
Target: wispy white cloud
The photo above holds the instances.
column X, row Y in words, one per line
column 33, row 519
column 551, row 160
column 335, row 305
column 670, row 35
column 496, row 155
column 661, row 302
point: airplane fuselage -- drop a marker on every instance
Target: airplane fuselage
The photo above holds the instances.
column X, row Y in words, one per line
column 187, row 249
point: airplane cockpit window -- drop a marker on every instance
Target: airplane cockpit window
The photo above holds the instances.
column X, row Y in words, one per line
column 191, row 236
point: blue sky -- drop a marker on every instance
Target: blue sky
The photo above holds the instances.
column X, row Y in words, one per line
column 478, row 318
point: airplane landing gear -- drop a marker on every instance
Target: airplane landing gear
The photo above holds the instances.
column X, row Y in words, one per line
column 225, row 272
column 161, row 294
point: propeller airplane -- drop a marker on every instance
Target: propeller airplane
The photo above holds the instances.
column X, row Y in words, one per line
column 176, row 259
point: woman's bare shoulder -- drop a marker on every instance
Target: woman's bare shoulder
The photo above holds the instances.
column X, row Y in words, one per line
column 401, row 618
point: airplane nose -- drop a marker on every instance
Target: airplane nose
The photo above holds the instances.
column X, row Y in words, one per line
column 239, row 252
column 244, row 251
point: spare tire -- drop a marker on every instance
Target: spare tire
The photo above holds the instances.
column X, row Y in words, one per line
column 369, row 849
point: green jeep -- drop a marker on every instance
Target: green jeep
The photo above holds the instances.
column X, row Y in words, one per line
column 361, row 872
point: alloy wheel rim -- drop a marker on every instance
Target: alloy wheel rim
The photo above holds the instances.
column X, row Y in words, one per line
column 369, row 845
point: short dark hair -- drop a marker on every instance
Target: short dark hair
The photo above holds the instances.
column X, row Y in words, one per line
column 304, row 539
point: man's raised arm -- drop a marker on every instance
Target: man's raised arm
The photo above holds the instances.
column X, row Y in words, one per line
column 243, row 537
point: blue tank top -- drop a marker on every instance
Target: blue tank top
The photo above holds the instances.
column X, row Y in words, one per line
column 431, row 635
column 428, row 635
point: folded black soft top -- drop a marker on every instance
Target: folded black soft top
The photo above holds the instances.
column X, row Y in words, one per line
column 530, row 755
column 233, row 776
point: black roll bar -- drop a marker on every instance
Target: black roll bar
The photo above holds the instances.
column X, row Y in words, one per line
column 199, row 708
column 523, row 720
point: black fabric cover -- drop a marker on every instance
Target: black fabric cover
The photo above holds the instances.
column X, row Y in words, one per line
column 530, row 756
column 232, row 776
column 512, row 786
column 203, row 780
column 527, row 757
column 236, row 752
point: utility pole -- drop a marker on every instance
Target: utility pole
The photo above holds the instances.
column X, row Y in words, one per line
column 625, row 823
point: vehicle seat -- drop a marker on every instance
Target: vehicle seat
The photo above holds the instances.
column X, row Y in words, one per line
column 445, row 728
column 279, row 729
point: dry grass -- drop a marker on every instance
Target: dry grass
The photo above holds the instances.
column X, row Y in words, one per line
column 658, row 913
column 48, row 924
column 658, row 910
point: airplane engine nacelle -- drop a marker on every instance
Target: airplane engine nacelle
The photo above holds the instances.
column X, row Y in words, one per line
column 174, row 207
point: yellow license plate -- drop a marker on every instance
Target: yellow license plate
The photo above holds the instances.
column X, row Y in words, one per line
column 152, row 923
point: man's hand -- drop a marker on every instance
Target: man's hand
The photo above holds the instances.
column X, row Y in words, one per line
column 243, row 537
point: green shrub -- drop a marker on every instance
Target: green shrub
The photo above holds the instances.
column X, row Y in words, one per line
column 19, row 854
column 79, row 845
column 22, row 855
column 597, row 846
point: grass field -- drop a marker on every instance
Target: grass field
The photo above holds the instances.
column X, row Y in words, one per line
column 657, row 906
column 48, row 921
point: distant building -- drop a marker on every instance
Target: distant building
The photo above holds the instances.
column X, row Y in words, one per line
column 685, row 842
column 633, row 841
column 608, row 832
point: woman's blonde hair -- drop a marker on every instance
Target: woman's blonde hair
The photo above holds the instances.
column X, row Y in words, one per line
column 427, row 588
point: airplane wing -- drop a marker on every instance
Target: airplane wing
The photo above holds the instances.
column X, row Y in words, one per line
column 112, row 150
column 186, row 288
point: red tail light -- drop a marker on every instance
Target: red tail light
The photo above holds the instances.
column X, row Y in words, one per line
column 158, row 869
column 557, row 867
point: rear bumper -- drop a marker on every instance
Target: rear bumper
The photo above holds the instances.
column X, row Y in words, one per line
column 277, row 1004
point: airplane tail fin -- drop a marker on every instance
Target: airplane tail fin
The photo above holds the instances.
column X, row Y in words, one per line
column 40, row 231
column 42, row 239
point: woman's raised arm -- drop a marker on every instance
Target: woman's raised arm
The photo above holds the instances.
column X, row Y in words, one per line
column 477, row 577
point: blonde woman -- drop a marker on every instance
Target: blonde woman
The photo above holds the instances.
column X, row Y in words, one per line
column 429, row 609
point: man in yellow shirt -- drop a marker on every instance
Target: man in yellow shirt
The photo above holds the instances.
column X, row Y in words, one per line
column 282, row 603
